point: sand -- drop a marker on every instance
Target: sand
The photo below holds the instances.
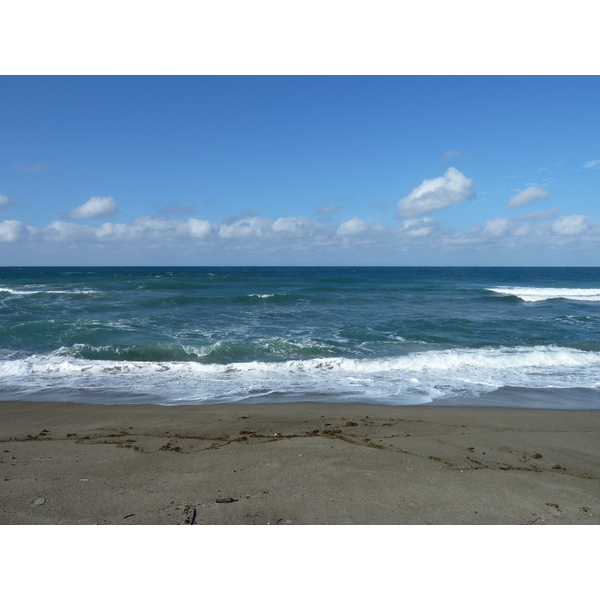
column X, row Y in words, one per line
column 300, row 463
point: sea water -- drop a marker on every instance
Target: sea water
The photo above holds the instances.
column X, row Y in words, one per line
column 525, row 337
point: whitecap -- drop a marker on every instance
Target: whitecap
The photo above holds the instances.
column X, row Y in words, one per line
column 42, row 291
column 532, row 294
column 414, row 378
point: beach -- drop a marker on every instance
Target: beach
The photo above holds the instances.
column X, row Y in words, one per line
column 304, row 463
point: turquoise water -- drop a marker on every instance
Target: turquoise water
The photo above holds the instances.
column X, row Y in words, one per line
column 454, row 336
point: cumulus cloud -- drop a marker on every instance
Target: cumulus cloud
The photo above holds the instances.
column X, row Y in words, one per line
column 452, row 154
column 526, row 229
column 154, row 229
column 4, row 201
column 527, row 196
column 438, row 193
column 198, row 228
column 249, row 237
column 252, row 227
column 353, row 227
column 294, row 226
column 61, row 231
column 592, row 164
column 108, row 232
column 419, row 227
column 570, row 225
column 496, row 227
column 14, row 231
column 162, row 228
column 95, row 207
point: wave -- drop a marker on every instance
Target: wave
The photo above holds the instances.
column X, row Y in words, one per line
column 28, row 292
column 194, row 297
column 273, row 298
column 440, row 361
column 218, row 351
column 532, row 294
column 415, row 378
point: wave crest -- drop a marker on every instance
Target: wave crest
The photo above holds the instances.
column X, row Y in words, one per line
column 532, row 294
column 414, row 378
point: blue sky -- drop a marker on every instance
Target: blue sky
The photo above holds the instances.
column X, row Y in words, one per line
column 291, row 170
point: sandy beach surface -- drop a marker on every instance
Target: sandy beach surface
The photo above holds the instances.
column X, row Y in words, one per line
column 297, row 463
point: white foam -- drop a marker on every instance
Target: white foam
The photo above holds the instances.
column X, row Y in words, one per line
column 27, row 292
column 18, row 292
column 418, row 377
column 532, row 294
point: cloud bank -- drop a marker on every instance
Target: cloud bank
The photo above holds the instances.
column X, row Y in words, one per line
column 436, row 194
column 257, row 240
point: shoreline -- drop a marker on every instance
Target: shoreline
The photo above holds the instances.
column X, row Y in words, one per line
column 297, row 463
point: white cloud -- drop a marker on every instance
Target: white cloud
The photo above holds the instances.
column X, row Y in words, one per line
column 419, row 227
column 101, row 206
column 252, row 227
column 592, row 164
column 198, row 228
column 116, row 232
column 14, row 231
column 523, row 230
column 159, row 228
column 4, row 201
column 527, row 196
column 571, row 225
column 294, row 226
column 438, row 193
column 155, row 229
column 60, row 231
column 352, row 227
column 244, row 238
column 496, row 227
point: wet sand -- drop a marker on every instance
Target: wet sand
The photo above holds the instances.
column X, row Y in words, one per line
column 300, row 463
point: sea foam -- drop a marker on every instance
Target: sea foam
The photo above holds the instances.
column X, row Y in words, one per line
column 532, row 294
column 42, row 291
column 415, row 378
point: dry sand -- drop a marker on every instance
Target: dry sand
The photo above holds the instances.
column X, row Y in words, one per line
column 302, row 463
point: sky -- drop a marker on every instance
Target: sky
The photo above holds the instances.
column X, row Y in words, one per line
column 300, row 170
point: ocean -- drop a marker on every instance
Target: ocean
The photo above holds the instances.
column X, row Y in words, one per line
column 515, row 337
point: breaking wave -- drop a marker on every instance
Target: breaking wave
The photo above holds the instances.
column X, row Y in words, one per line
column 531, row 294
column 15, row 292
column 416, row 378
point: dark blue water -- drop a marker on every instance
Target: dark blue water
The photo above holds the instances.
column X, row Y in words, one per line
column 485, row 336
